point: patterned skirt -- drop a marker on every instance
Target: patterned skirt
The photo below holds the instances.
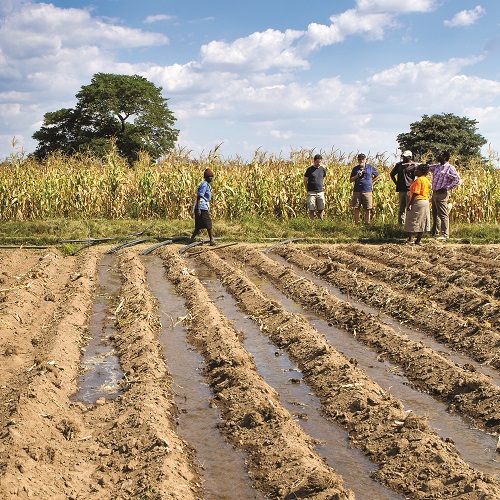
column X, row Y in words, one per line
column 418, row 219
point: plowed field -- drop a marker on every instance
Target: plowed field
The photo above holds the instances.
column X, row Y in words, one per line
column 364, row 335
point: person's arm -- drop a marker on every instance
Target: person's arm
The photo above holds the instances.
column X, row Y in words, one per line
column 355, row 175
column 454, row 178
column 412, row 201
column 393, row 173
column 417, row 188
column 306, row 182
column 199, row 195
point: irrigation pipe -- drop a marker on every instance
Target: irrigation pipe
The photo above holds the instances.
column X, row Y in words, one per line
column 98, row 240
column 154, row 247
column 23, row 246
column 213, row 248
column 195, row 244
column 282, row 243
column 167, row 241
column 126, row 244
column 89, row 240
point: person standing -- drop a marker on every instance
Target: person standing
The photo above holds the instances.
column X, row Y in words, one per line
column 444, row 179
column 313, row 181
column 418, row 215
column 403, row 179
column 363, row 176
column 202, row 219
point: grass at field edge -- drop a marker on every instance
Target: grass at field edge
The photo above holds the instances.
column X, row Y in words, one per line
column 251, row 230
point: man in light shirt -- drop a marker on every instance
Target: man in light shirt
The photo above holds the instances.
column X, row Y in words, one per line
column 363, row 176
column 444, row 179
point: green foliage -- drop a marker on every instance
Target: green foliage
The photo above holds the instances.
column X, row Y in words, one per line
column 446, row 131
column 115, row 111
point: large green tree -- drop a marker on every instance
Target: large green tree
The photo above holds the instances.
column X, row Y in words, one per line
column 458, row 135
column 122, row 111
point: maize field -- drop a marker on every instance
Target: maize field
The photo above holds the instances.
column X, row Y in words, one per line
column 268, row 186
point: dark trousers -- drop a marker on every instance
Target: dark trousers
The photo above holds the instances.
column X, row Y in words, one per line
column 404, row 198
column 440, row 217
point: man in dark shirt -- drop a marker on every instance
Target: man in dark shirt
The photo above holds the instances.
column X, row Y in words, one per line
column 313, row 181
column 403, row 180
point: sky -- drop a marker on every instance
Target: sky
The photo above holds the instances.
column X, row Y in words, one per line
column 271, row 76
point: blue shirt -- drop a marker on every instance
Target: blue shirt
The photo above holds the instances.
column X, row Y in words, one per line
column 365, row 183
column 205, row 194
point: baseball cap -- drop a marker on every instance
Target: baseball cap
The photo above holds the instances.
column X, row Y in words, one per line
column 407, row 154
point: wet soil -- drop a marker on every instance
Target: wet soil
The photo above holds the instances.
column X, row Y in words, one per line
column 136, row 443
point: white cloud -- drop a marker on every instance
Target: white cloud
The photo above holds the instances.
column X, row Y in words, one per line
column 158, row 18
column 177, row 77
column 465, row 17
column 424, row 72
column 371, row 25
column 396, row 6
column 280, row 134
column 488, row 119
column 256, row 52
column 40, row 29
column 352, row 22
column 289, row 50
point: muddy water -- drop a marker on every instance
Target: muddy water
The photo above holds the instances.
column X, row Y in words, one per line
column 279, row 372
column 222, row 467
column 414, row 335
column 101, row 370
column 475, row 446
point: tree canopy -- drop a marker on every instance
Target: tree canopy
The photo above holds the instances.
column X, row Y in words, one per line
column 458, row 135
column 122, row 111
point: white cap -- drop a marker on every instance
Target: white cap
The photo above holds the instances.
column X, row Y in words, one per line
column 407, row 154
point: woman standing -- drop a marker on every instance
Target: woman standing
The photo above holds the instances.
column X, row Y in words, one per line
column 202, row 219
column 418, row 214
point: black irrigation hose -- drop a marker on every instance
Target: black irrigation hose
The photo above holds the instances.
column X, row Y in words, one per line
column 87, row 245
column 127, row 244
column 98, row 240
column 154, row 247
column 195, row 244
column 88, row 240
column 140, row 233
column 23, row 246
column 213, row 248
column 282, row 243
column 167, row 241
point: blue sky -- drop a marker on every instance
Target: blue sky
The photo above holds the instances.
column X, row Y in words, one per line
column 279, row 75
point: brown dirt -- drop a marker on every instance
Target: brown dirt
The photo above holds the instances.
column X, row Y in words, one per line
column 128, row 447
column 53, row 448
